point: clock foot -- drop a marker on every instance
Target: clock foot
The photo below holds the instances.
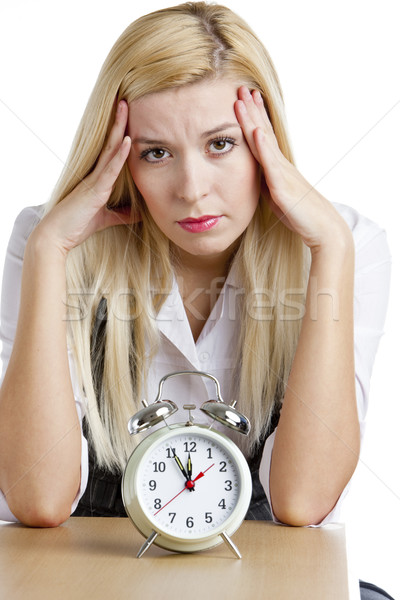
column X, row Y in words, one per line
column 231, row 545
column 147, row 544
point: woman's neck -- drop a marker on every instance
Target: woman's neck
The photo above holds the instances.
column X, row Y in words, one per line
column 188, row 265
column 200, row 280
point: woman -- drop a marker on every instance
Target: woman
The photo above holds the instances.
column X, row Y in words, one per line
column 181, row 236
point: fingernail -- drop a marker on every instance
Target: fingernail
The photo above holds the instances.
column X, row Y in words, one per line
column 258, row 97
column 246, row 93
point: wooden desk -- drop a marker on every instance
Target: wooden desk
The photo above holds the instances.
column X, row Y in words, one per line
column 92, row 558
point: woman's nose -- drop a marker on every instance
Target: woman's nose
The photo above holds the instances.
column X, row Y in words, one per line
column 193, row 180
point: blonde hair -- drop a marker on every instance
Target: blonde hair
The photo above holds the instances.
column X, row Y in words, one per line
column 173, row 47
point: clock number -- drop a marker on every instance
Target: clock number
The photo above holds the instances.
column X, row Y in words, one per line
column 152, row 485
column 157, row 503
column 190, row 446
column 209, row 453
column 170, row 452
column 228, row 485
column 172, row 515
column 159, row 467
column 189, row 522
column 208, row 517
column 222, row 504
column 222, row 466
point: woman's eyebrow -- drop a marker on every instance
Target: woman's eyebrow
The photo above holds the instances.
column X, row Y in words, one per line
column 143, row 140
column 220, row 128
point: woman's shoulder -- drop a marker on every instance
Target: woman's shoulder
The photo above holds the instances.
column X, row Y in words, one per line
column 359, row 224
column 369, row 237
column 28, row 218
column 24, row 224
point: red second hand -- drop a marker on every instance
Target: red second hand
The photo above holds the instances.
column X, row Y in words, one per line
column 169, row 502
column 201, row 474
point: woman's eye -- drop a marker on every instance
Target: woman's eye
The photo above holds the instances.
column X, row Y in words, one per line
column 221, row 145
column 155, row 154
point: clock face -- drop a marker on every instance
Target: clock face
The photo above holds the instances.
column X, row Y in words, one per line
column 190, row 483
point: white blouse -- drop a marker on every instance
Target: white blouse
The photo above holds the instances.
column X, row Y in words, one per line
column 212, row 350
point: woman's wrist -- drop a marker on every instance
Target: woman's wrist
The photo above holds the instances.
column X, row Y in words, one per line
column 335, row 243
column 41, row 244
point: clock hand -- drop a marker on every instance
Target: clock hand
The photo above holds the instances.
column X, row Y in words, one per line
column 189, row 485
column 180, row 465
column 189, row 472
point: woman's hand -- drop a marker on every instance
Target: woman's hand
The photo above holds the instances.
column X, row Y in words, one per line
column 294, row 201
column 84, row 210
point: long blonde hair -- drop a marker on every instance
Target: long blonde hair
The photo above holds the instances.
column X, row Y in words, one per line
column 168, row 48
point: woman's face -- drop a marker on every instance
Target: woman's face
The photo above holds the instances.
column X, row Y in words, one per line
column 193, row 167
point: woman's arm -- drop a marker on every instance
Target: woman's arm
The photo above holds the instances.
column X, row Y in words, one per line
column 39, row 428
column 317, row 440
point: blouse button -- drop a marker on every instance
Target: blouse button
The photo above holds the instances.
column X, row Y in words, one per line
column 204, row 356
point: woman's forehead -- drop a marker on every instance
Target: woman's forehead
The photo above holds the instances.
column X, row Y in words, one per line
column 201, row 106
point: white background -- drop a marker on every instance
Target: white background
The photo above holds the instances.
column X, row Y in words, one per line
column 339, row 67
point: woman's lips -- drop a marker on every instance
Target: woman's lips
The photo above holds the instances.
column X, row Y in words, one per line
column 203, row 223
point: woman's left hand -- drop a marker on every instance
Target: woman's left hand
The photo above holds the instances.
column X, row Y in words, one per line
column 293, row 200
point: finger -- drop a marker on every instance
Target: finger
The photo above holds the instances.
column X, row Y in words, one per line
column 248, row 107
column 119, row 216
column 251, row 115
column 254, row 110
column 115, row 137
column 102, row 187
column 247, row 126
column 274, row 164
column 247, row 98
column 255, row 107
column 255, row 123
column 264, row 147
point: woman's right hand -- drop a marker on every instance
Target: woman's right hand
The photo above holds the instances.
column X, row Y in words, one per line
column 84, row 210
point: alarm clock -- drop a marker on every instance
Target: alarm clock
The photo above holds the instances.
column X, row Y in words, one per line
column 187, row 487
